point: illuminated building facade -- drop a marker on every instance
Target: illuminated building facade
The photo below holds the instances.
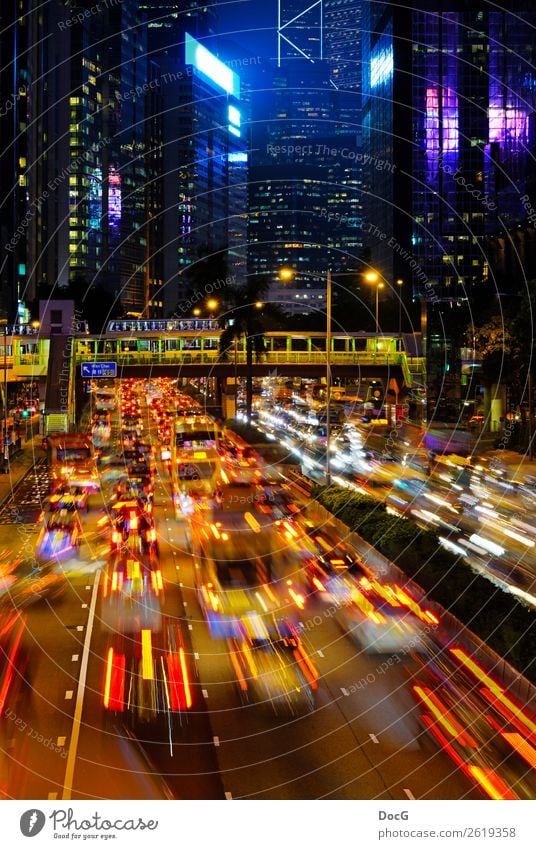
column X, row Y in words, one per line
column 449, row 91
column 473, row 92
column 213, row 162
column 386, row 93
column 167, row 24
column 305, row 179
column 124, row 177
column 342, row 54
column 82, row 175
column 300, row 31
column 15, row 75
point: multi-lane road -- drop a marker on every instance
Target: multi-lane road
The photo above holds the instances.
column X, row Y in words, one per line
column 365, row 738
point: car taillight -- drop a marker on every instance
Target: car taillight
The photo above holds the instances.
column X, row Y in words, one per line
column 114, row 686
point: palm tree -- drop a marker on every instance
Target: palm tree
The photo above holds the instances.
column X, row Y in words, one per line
column 243, row 319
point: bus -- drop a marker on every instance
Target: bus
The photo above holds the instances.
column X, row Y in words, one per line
column 71, row 462
column 195, row 463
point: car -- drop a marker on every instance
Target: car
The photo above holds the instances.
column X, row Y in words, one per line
column 14, row 679
column 61, row 535
column 133, row 525
column 74, row 498
column 327, row 561
column 383, row 618
column 148, row 675
column 271, row 666
column 30, row 582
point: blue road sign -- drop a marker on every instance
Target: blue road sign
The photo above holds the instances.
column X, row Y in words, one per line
column 99, row 370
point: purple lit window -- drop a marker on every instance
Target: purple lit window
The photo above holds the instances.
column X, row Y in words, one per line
column 450, row 120
column 508, row 124
column 431, row 122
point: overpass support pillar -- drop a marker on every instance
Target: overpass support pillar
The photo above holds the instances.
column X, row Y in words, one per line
column 228, row 397
column 497, row 407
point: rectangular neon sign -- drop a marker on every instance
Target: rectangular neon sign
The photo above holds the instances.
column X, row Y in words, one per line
column 210, row 66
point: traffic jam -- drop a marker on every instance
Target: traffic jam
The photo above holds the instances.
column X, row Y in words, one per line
column 155, row 482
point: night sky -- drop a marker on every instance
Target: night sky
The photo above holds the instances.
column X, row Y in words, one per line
column 250, row 23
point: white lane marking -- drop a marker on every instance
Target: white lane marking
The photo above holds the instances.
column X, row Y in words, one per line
column 52, row 796
column 196, row 655
column 228, row 795
column 205, row 694
column 73, row 748
column 61, row 741
column 75, row 657
column 69, row 694
column 79, row 627
column 320, row 653
column 216, row 741
column 374, row 738
column 408, row 793
column 344, row 691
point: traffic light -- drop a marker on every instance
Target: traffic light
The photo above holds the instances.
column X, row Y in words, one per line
column 25, row 414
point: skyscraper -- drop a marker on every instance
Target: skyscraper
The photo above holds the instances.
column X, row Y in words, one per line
column 449, row 99
column 212, row 156
column 305, row 176
column 167, row 23
column 342, row 54
column 16, row 59
column 82, row 204
column 386, row 56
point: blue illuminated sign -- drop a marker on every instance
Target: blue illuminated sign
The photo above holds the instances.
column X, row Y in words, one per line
column 234, row 120
column 210, row 66
column 234, row 116
column 381, row 66
column 90, row 370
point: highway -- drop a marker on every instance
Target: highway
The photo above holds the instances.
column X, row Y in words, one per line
column 364, row 739
column 480, row 514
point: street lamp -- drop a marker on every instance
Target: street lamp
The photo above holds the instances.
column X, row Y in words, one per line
column 400, row 283
column 374, row 278
column 286, row 275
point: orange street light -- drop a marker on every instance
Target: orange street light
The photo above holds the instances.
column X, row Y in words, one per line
column 286, row 275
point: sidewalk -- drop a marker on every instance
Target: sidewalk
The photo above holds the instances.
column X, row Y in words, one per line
column 19, row 466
